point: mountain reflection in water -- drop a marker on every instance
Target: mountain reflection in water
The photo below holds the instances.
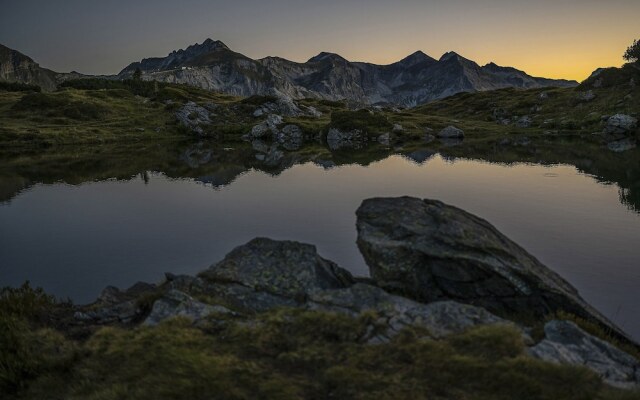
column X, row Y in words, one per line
column 114, row 217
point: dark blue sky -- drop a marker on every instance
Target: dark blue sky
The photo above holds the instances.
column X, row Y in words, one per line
column 555, row 38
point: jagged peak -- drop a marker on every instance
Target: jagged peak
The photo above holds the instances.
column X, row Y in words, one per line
column 325, row 56
column 415, row 58
column 206, row 46
column 450, row 56
column 496, row 68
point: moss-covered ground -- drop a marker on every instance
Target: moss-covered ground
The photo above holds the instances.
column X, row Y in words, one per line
column 282, row 354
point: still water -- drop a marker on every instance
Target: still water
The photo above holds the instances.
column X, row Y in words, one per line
column 75, row 240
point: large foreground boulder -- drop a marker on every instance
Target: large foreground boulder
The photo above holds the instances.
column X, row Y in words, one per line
column 282, row 268
column 429, row 251
column 265, row 274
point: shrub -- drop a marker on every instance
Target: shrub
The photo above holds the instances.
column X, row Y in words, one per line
column 632, row 54
column 19, row 87
column 25, row 352
column 40, row 101
column 258, row 100
column 364, row 120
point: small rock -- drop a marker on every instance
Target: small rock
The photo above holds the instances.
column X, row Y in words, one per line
column 260, row 146
column 620, row 146
column 384, row 139
column 620, row 124
column 451, row 132
column 524, row 122
column 397, row 128
column 259, row 131
column 273, row 157
column 175, row 303
column 566, row 343
column 587, row 96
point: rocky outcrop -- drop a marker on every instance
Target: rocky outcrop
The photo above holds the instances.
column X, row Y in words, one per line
column 437, row 256
column 16, row 67
column 566, row 343
column 286, row 106
column 395, row 313
column 268, row 127
column 430, row 251
column 179, row 304
column 620, row 124
column 265, row 274
column 115, row 306
column 194, row 117
column 282, row 268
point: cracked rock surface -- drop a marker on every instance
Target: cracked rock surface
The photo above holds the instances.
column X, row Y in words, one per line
column 431, row 251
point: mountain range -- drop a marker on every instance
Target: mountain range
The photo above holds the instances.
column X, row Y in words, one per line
column 211, row 65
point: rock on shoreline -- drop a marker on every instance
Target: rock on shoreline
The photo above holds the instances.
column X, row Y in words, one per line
column 434, row 267
column 431, row 251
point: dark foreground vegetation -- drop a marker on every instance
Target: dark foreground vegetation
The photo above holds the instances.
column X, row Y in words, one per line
column 282, row 354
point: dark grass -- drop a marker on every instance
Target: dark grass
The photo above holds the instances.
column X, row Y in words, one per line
column 283, row 354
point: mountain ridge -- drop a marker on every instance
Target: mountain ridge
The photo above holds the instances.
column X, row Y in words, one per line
column 414, row 80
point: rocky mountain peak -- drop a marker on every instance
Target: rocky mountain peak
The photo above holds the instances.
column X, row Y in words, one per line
column 451, row 55
column 207, row 46
column 414, row 80
column 323, row 56
column 17, row 67
column 415, row 58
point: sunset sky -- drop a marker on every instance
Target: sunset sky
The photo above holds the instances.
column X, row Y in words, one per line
column 551, row 38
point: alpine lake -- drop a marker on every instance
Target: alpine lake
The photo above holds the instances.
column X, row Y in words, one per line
column 78, row 219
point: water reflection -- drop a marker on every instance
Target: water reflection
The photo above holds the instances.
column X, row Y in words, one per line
column 220, row 164
column 132, row 214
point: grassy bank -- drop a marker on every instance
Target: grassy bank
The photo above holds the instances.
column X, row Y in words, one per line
column 105, row 111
